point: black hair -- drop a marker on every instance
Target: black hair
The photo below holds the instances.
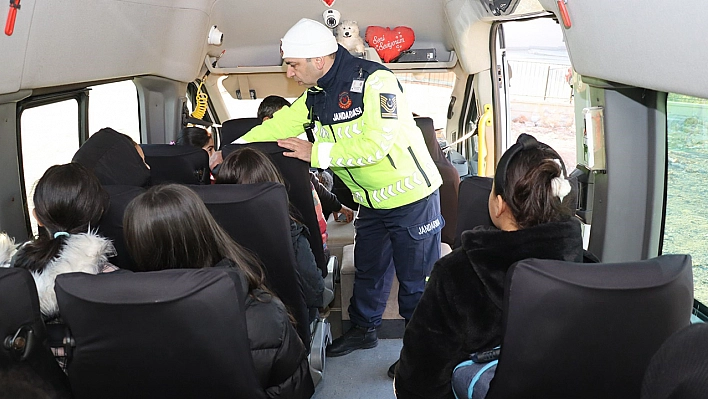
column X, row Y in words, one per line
column 248, row 165
column 270, row 105
column 169, row 227
column 524, row 181
column 68, row 198
column 194, row 136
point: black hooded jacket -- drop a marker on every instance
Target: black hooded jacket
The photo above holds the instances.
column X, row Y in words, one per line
column 460, row 312
column 112, row 157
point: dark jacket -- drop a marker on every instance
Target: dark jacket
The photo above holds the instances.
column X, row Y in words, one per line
column 279, row 357
column 460, row 311
column 310, row 275
column 113, row 158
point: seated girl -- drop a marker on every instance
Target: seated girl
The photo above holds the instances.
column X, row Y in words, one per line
column 246, row 166
column 169, row 227
column 68, row 203
column 460, row 311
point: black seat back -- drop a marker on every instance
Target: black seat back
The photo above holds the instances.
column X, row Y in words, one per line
column 473, row 206
column 578, row 330
column 23, row 336
column 679, row 369
column 235, row 128
column 168, row 334
column 256, row 216
column 296, row 174
column 111, row 223
column 181, row 164
column 450, row 177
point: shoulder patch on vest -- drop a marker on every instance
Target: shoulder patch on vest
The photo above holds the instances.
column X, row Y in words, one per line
column 389, row 107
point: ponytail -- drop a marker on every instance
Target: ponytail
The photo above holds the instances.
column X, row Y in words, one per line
column 36, row 254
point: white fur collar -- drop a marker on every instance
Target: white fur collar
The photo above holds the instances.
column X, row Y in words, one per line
column 7, row 249
column 85, row 252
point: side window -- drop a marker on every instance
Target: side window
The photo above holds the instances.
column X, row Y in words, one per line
column 115, row 105
column 687, row 120
column 428, row 94
column 540, row 94
column 50, row 136
column 244, row 107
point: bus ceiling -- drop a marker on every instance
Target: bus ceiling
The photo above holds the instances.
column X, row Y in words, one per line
column 648, row 47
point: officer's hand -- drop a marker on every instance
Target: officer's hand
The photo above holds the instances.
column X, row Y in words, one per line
column 301, row 149
column 348, row 215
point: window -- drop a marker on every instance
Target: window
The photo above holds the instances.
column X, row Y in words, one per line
column 428, row 94
column 115, row 105
column 244, row 107
column 686, row 225
column 50, row 136
column 539, row 93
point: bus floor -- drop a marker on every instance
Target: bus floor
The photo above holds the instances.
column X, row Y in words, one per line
column 360, row 374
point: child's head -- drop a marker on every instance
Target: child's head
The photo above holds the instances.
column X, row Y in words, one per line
column 530, row 181
column 196, row 137
column 68, row 199
column 247, row 166
column 270, row 105
column 169, row 227
column 114, row 158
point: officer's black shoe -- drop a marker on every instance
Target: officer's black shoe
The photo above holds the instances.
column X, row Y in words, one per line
column 356, row 338
column 392, row 370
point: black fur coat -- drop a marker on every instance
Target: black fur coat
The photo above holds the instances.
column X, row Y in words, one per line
column 461, row 308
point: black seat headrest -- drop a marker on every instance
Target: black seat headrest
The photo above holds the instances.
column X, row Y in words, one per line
column 177, row 164
column 171, row 333
column 256, row 216
column 586, row 330
column 679, row 369
column 296, row 174
column 235, row 128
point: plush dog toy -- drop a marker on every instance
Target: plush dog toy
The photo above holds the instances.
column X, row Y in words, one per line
column 347, row 34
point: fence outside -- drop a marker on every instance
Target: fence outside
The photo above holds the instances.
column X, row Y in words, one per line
column 539, row 81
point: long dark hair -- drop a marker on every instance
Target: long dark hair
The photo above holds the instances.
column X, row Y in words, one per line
column 169, row 227
column 248, row 166
column 528, row 187
column 68, row 198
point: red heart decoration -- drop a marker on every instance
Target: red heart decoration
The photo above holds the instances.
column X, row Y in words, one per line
column 328, row 2
column 390, row 43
